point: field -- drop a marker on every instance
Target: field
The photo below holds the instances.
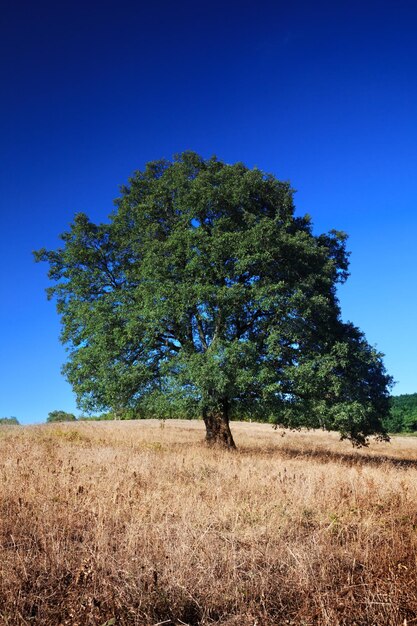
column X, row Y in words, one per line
column 137, row 523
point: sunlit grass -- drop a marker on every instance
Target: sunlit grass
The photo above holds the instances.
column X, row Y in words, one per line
column 141, row 523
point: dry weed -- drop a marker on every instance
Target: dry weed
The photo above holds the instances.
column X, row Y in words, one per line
column 133, row 524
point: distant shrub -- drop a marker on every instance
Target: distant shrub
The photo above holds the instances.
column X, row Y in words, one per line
column 96, row 418
column 61, row 416
column 119, row 414
column 88, row 418
column 9, row 421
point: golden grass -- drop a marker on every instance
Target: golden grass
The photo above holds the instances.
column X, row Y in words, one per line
column 138, row 523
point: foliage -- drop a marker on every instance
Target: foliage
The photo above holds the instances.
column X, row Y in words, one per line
column 9, row 421
column 122, row 414
column 206, row 295
column 403, row 414
column 60, row 416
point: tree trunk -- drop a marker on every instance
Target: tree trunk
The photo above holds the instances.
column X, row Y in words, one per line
column 217, row 427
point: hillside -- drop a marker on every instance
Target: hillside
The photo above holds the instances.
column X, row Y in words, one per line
column 138, row 523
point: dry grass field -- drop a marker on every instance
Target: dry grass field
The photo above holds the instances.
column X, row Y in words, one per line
column 137, row 523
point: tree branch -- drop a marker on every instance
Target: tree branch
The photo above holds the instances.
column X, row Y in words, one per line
column 241, row 329
column 167, row 342
column 200, row 330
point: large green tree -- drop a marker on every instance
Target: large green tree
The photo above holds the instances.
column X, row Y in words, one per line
column 204, row 295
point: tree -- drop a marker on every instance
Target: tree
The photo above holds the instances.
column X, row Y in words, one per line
column 403, row 414
column 9, row 421
column 204, row 295
column 60, row 416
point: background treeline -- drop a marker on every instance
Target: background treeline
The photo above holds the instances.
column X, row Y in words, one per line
column 402, row 418
column 9, row 421
column 403, row 414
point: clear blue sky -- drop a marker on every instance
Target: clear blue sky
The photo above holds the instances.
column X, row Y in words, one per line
column 321, row 93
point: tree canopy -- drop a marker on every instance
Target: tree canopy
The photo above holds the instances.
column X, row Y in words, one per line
column 60, row 416
column 205, row 295
column 9, row 421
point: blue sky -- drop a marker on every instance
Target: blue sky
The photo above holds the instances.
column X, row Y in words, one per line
column 323, row 94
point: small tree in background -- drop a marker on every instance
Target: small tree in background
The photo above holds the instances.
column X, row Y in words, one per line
column 60, row 416
column 205, row 295
column 9, row 421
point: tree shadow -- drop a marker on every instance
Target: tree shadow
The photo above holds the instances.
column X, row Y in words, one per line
column 351, row 459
